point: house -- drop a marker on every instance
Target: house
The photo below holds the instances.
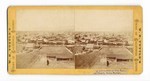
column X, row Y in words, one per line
column 70, row 41
column 100, row 41
column 29, row 45
column 89, row 47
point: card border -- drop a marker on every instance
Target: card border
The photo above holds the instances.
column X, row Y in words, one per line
column 137, row 31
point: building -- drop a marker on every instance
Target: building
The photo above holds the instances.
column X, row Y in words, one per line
column 58, row 53
column 117, row 54
column 29, row 45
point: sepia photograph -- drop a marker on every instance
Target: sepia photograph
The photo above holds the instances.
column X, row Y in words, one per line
column 74, row 39
column 104, row 39
column 43, row 39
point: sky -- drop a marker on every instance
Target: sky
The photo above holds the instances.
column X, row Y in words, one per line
column 104, row 20
column 45, row 20
column 74, row 20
